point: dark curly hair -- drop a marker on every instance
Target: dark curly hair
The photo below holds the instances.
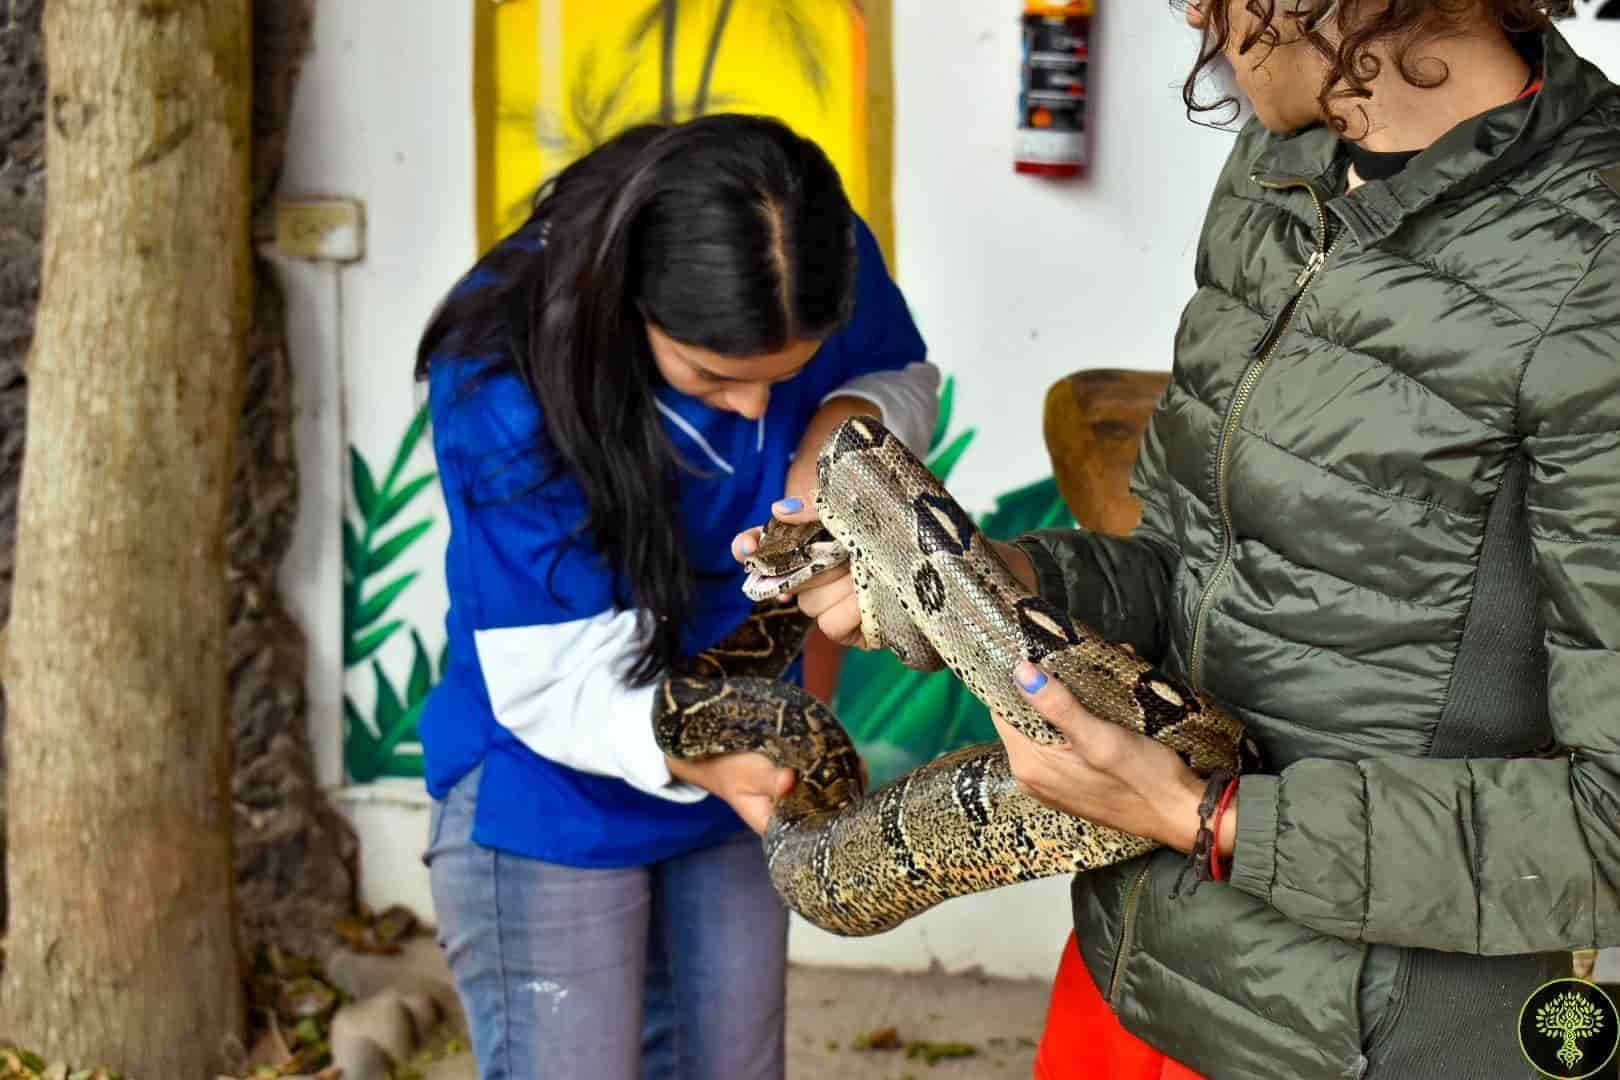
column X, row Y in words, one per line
column 1345, row 33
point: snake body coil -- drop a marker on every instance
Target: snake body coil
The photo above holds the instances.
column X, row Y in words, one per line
column 933, row 591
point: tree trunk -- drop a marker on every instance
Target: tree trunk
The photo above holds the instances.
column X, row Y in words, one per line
column 122, row 945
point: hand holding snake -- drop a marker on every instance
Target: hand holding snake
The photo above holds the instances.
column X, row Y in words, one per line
column 930, row 587
column 1102, row 772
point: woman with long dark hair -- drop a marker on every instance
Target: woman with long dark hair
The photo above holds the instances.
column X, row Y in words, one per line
column 618, row 387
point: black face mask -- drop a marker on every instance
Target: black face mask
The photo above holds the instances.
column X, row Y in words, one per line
column 1376, row 165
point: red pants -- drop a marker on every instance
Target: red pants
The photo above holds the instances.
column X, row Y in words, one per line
column 1084, row 1041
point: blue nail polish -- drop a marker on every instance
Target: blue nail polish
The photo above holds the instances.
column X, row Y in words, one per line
column 790, row 506
column 1034, row 685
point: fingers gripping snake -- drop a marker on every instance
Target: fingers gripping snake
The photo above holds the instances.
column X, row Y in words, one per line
column 933, row 591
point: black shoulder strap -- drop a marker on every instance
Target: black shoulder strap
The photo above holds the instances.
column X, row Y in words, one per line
column 1496, row 706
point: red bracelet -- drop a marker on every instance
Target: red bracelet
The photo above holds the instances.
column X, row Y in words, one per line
column 1215, row 871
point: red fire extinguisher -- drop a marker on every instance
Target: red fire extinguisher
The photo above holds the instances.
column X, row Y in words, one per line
column 1053, row 136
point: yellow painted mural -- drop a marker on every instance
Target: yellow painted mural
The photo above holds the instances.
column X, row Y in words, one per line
column 554, row 78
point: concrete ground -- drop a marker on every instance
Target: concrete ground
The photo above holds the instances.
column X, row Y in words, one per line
column 835, row 1016
column 829, row 1009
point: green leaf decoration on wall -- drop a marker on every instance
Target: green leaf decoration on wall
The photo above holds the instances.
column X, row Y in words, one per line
column 384, row 744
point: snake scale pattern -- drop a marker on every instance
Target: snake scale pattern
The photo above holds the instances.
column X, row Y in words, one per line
column 933, row 591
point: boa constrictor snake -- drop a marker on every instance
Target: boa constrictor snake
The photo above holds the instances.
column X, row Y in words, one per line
column 934, row 592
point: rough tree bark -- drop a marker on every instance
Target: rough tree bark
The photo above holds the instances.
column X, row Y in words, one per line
column 122, row 946
column 22, row 217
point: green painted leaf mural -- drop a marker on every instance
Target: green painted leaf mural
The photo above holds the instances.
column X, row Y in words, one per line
column 384, row 743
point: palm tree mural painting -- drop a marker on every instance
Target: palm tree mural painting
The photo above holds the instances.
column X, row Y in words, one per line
column 599, row 103
column 789, row 19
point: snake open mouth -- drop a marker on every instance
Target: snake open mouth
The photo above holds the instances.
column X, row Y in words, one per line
column 774, row 572
column 761, row 584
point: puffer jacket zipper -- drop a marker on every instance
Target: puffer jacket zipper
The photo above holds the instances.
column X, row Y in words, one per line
column 1127, row 930
column 1260, row 357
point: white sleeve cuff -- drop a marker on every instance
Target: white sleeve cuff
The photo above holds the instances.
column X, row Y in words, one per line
column 558, row 688
column 907, row 399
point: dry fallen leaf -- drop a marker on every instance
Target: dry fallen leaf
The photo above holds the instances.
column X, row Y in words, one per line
column 881, row 1039
column 305, row 997
column 939, row 1051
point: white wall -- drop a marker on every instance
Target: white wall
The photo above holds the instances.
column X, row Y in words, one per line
column 1015, row 281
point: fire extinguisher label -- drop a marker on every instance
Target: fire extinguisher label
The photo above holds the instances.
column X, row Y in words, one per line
column 1051, row 147
column 1052, row 98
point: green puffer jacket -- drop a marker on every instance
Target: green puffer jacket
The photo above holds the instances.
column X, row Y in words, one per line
column 1382, row 523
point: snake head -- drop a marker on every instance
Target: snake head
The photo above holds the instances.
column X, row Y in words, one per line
column 789, row 555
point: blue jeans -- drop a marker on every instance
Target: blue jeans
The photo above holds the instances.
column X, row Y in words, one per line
column 673, row 971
